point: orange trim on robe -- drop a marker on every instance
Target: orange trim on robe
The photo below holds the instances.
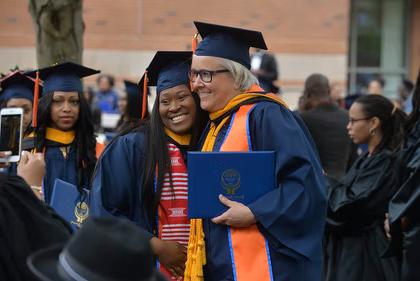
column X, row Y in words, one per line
column 248, row 245
column 99, row 149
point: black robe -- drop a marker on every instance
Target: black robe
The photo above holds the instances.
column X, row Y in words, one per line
column 406, row 204
column 26, row 225
column 355, row 239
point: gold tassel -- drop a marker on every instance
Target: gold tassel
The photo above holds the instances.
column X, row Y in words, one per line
column 196, row 253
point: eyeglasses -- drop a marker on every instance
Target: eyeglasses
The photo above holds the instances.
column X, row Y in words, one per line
column 352, row 121
column 205, row 75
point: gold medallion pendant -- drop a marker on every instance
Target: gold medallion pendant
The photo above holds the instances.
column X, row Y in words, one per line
column 81, row 211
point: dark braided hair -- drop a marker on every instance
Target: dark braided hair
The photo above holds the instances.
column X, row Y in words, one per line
column 392, row 120
column 84, row 143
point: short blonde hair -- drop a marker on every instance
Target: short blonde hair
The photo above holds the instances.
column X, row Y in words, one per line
column 242, row 76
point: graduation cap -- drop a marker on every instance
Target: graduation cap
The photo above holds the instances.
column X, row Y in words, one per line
column 227, row 42
column 166, row 70
column 64, row 77
column 131, row 88
column 17, row 85
column 169, row 69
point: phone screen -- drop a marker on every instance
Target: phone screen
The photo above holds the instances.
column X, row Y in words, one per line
column 10, row 133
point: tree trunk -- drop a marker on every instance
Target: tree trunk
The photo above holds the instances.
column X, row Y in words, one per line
column 59, row 30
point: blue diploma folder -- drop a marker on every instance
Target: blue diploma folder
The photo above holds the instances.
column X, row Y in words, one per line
column 69, row 203
column 240, row 176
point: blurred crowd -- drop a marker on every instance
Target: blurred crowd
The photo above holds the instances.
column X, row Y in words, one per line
column 345, row 206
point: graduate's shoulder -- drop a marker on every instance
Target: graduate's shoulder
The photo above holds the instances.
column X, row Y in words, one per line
column 272, row 112
column 268, row 106
column 133, row 140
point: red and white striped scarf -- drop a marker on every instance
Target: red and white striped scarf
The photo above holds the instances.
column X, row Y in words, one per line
column 173, row 219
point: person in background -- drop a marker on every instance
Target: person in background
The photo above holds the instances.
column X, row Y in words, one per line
column 327, row 124
column 358, row 202
column 64, row 129
column 301, row 106
column 349, row 99
column 17, row 91
column 404, row 213
column 405, row 95
column 142, row 174
column 337, row 94
column 264, row 67
column 89, row 95
column 130, row 106
column 376, row 86
column 106, row 97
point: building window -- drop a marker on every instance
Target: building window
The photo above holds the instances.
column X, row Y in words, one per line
column 378, row 36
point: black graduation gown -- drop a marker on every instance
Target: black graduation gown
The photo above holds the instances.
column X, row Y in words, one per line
column 26, row 225
column 355, row 239
column 406, row 203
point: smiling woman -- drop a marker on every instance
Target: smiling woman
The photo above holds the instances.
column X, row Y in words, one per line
column 280, row 233
column 177, row 109
column 142, row 175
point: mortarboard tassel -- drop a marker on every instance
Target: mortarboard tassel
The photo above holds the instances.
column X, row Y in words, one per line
column 144, row 102
column 36, row 97
column 194, row 43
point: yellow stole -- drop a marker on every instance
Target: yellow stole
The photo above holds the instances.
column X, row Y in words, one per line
column 196, row 256
column 180, row 139
column 64, row 137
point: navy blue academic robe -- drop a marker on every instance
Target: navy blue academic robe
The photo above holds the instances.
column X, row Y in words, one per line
column 118, row 179
column 292, row 216
column 59, row 167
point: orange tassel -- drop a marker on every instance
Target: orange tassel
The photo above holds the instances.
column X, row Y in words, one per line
column 144, row 102
column 35, row 106
column 194, row 43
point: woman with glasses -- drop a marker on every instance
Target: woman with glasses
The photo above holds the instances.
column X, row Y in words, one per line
column 357, row 204
column 278, row 236
column 142, row 175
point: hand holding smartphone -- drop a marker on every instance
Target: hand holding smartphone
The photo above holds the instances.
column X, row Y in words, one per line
column 11, row 133
column 32, row 168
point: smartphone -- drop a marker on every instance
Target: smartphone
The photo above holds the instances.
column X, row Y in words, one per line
column 11, row 132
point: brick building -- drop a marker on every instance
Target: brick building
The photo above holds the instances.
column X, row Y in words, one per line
column 350, row 41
